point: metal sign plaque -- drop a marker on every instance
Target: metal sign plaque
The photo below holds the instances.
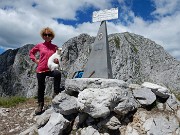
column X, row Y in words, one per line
column 98, row 47
column 102, row 15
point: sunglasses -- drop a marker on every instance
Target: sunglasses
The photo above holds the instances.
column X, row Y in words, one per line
column 49, row 35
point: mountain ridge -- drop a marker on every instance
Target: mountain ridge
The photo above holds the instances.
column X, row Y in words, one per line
column 134, row 59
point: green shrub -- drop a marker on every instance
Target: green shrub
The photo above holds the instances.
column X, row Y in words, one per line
column 135, row 49
column 11, row 101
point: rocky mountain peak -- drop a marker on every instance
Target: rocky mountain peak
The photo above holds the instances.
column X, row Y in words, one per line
column 139, row 99
column 134, row 59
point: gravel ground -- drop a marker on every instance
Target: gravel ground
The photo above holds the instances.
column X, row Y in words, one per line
column 17, row 119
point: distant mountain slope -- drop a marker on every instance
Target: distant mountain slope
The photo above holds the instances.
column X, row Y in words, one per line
column 134, row 59
column 138, row 59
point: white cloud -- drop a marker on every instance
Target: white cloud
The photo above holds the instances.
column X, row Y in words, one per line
column 165, row 32
column 166, row 7
column 21, row 21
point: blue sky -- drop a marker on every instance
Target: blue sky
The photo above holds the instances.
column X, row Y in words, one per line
column 22, row 20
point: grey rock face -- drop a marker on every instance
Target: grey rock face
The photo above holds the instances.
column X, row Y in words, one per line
column 16, row 80
column 138, row 60
column 7, row 59
column 134, row 59
column 75, row 53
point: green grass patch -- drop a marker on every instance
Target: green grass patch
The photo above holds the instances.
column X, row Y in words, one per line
column 177, row 96
column 11, row 101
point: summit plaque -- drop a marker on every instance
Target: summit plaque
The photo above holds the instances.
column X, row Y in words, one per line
column 102, row 15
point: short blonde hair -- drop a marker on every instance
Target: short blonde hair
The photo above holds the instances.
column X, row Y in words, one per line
column 49, row 30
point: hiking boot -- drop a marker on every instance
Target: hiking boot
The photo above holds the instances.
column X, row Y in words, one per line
column 39, row 109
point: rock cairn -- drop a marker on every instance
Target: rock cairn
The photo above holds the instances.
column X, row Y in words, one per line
column 94, row 106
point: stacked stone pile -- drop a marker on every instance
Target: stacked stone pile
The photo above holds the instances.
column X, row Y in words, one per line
column 94, row 106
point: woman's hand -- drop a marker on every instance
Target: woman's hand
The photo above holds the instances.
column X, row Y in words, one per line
column 56, row 61
column 36, row 61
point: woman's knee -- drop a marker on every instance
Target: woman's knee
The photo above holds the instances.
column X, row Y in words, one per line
column 57, row 73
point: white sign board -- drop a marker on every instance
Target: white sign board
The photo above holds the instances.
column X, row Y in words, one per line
column 102, row 15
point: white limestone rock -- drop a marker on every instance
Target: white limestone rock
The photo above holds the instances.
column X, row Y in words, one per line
column 79, row 84
column 43, row 118
column 98, row 102
column 144, row 95
column 89, row 131
column 65, row 104
column 157, row 89
column 131, row 131
column 56, row 124
column 155, row 86
column 110, row 122
column 172, row 103
column 161, row 125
